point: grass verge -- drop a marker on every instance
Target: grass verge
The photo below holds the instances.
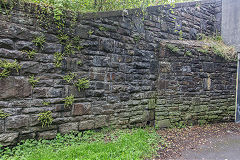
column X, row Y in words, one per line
column 117, row 144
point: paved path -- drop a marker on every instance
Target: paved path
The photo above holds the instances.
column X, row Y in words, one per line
column 224, row 148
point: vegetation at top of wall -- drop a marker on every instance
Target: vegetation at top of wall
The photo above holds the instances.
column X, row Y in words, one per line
column 104, row 145
column 45, row 118
column 216, row 45
column 3, row 115
column 100, row 5
column 7, row 66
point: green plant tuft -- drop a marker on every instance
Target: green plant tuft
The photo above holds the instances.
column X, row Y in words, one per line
column 69, row 77
column 69, row 48
column 137, row 38
column 202, row 50
column 173, row 48
column 63, row 38
column 101, row 28
column 46, row 103
column 58, row 57
column 3, row 115
column 39, row 41
column 33, row 81
column 82, row 83
column 79, row 48
column 7, row 66
column 30, row 53
column 79, row 62
column 90, row 32
column 188, row 53
column 45, row 118
column 69, row 100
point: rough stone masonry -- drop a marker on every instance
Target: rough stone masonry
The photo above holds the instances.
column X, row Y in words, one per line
column 135, row 79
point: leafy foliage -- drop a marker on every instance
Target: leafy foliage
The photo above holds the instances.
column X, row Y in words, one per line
column 216, row 45
column 32, row 80
column 3, row 115
column 68, row 101
column 39, row 41
column 69, row 77
column 45, row 118
column 58, row 57
column 99, row 5
column 104, row 145
column 30, row 53
column 45, row 103
column 82, row 83
column 173, row 48
column 7, row 66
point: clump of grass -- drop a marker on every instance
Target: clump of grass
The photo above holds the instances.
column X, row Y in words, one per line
column 216, row 45
column 68, row 101
column 45, row 118
column 82, row 84
column 33, row 81
column 30, row 53
column 7, row 67
column 173, row 48
column 3, row 115
column 69, row 77
column 116, row 144
column 188, row 53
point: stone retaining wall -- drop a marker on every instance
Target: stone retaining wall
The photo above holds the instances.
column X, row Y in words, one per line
column 134, row 79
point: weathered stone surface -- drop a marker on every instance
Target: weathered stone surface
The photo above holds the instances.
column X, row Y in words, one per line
column 1, row 126
column 14, row 87
column 100, row 121
column 68, row 127
column 81, row 109
column 6, row 43
column 47, row 134
column 163, row 123
column 128, row 65
column 25, row 46
column 85, row 125
column 14, row 122
column 7, row 139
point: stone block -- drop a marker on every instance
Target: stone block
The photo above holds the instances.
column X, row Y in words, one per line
column 81, row 109
column 15, row 87
column 15, row 122
column 6, row 43
column 85, row 125
column 52, row 48
column 68, row 127
column 7, row 139
column 47, row 134
column 163, row 123
column 100, row 121
column 25, row 45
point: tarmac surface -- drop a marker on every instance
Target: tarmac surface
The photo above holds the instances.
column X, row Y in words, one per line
column 222, row 148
